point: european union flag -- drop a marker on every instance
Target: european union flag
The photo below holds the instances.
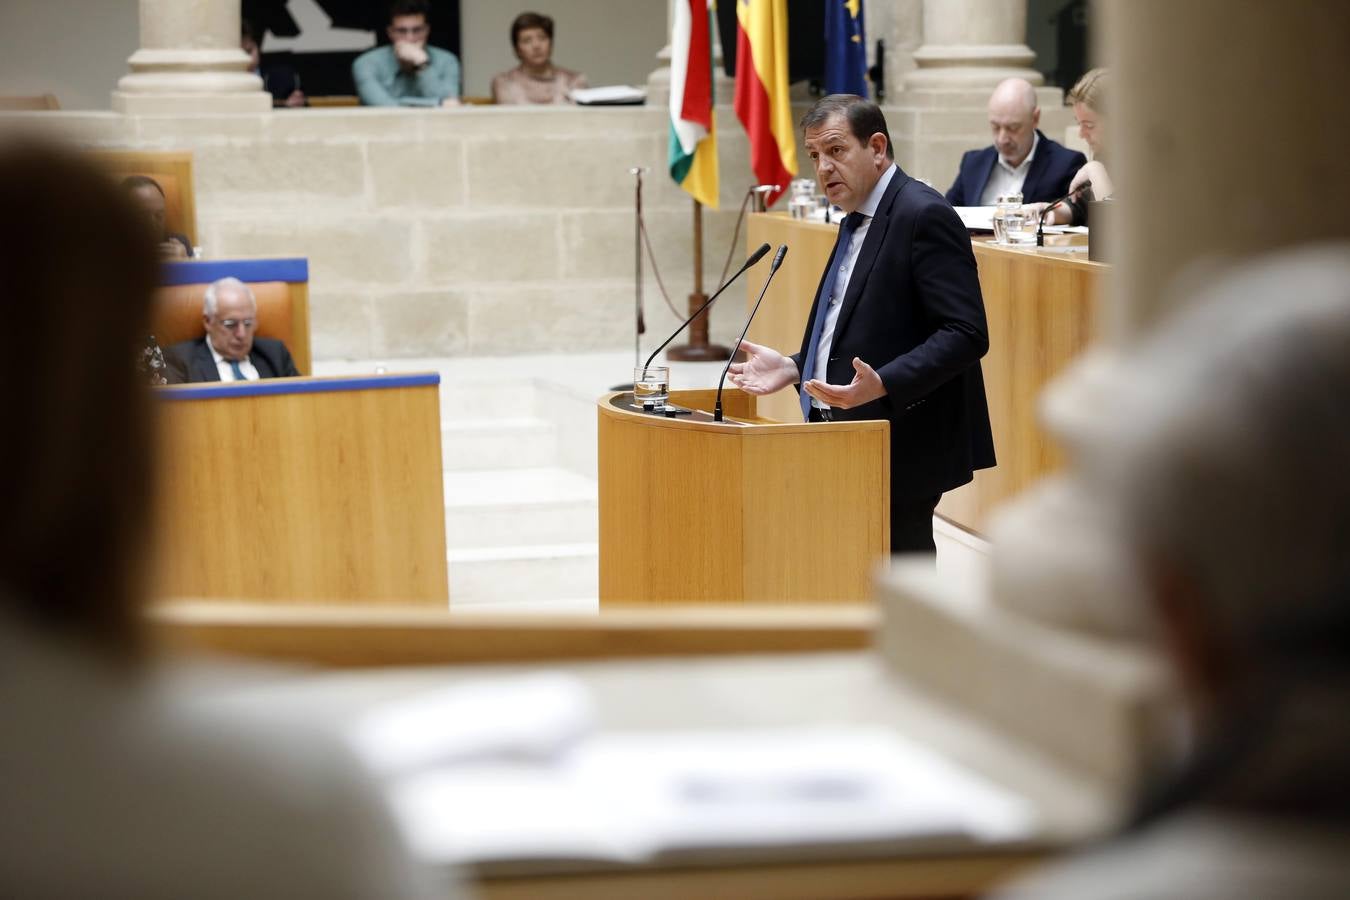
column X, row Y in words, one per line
column 845, row 48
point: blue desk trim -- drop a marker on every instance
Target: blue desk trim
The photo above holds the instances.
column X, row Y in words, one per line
column 204, row 272
column 223, row 389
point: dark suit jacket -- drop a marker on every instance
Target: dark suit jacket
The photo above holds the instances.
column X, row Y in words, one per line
column 913, row 311
column 192, row 360
column 1048, row 177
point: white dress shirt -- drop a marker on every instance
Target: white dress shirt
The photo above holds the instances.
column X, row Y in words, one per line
column 850, row 259
column 223, row 365
column 1005, row 179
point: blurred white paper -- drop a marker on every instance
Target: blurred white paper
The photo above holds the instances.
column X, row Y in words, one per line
column 609, row 95
column 976, row 218
column 627, row 798
column 536, row 716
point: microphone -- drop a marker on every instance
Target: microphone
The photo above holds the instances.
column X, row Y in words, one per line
column 754, row 258
column 1040, row 225
column 777, row 261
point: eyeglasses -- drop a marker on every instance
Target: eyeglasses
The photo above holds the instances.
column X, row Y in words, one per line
column 410, row 30
column 232, row 324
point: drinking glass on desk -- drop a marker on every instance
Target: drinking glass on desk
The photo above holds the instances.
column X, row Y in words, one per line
column 1019, row 225
column 1006, row 203
column 651, row 385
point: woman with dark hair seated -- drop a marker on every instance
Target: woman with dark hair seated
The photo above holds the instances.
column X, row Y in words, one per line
column 536, row 79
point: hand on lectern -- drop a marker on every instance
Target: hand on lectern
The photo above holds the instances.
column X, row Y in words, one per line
column 765, row 371
column 865, row 387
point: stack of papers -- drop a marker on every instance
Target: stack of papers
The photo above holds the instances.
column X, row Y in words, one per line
column 515, row 771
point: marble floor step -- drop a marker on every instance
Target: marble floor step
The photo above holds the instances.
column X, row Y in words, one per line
column 492, row 577
column 486, row 399
column 521, row 442
column 505, row 507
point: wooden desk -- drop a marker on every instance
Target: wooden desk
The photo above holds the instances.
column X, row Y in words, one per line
column 320, row 490
column 1041, row 305
column 1042, row 311
column 370, row 636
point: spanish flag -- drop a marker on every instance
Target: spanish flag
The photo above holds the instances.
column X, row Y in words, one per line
column 762, row 102
column 693, row 135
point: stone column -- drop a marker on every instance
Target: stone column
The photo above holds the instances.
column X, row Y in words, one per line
column 900, row 24
column 189, row 61
column 1192, row 120
column 972, row 44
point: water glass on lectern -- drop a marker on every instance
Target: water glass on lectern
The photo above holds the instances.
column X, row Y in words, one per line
column 651, row 385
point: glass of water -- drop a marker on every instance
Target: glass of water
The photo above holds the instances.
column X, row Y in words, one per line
column 651, row 386
column 1007, row 203
column 1018, row 225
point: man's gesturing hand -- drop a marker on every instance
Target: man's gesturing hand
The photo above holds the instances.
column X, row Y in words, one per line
column 865, row 387
column 764, row 372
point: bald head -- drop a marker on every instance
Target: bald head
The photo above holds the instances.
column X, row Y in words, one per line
column 1013, row 118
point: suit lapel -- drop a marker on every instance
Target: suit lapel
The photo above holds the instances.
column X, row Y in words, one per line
column 867, row 256
column 260, row 363
column 204, row 363
column 1036, row 169
column 986, row 169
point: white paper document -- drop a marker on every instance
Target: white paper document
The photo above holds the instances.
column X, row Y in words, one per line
column 610, row 95
column 633, row 797
column 977, row 218
column 529, row 717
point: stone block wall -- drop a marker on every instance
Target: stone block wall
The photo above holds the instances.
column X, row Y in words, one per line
column 480, row 231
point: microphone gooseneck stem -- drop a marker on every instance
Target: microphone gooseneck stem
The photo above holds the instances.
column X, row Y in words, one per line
column 777, row 261
column 1040, row 224
column 754, row 258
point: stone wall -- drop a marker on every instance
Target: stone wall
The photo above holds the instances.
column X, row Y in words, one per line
column 480, row 231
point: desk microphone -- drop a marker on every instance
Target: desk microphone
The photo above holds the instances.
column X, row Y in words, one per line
column 1040, row 225
column 777, row 261
column 754, row 258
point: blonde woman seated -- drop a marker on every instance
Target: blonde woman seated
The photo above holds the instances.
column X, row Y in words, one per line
column 536, row 79
column 1088, row 97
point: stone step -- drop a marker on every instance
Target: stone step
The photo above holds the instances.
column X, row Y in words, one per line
column 503, row 507
column 537, row 576
column 486, row 399
column 501, row 443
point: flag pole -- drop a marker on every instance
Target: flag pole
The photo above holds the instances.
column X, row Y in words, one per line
column 698, row 349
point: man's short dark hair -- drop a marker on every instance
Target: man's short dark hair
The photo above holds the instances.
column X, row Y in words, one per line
column 248, row 32
column 863, row 116
column 136, row 182
column 531, row 20
column 410, row 8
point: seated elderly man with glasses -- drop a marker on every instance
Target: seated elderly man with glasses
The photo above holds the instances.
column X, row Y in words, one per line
column 407, row 72
column 229, row 351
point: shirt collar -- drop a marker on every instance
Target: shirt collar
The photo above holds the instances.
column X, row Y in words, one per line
column 1035, row 141
column 869, row 206
column 216, row 354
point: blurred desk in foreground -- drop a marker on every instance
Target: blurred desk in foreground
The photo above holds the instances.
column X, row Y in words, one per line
column 303, row 490
column 1041, row 305
column 769, row 698
column 366, row 636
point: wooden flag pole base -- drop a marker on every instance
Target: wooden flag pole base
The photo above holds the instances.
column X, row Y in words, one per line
column 698, row 349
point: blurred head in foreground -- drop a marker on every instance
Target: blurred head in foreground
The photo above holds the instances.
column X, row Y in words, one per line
column 77, row 458
column 1221, row 466
column 116, row 786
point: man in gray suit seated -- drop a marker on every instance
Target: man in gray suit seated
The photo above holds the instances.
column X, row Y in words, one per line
column 230, row 350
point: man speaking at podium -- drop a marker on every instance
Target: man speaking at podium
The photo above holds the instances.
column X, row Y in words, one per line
column 897, row 328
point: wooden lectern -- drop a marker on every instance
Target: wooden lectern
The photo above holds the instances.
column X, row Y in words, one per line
column 742, row 511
